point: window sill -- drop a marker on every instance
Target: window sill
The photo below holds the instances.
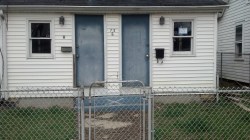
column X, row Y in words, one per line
column 238, row 59
column 40, row 57
column 182, row 55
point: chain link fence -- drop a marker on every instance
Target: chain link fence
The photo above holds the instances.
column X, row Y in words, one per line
column 233, row 69
column 116, row 111
column 50, row 113
column 125, row 110
column 201, row 113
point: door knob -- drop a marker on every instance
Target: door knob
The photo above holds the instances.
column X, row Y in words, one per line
column 147, row 55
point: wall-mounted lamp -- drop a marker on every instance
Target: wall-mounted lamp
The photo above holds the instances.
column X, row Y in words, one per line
column 1, row 14
column 162, row 20
column 61, row 20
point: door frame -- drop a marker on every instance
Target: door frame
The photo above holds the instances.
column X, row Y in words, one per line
column 74, row 46
column 150, row 49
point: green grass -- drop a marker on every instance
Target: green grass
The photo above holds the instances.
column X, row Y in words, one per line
column 223, row 120
column 37, row 124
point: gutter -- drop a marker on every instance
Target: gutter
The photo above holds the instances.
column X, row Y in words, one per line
column 221, row 14
column 2, row 54
column 3, row 50
column 111, row 9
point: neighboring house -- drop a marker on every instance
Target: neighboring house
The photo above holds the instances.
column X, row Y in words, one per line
column 234, row 41
column 76, row 42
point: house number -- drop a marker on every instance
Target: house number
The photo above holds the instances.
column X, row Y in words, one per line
column 112, row 31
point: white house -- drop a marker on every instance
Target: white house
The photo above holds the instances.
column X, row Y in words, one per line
column 234, row 41
column 73, row 43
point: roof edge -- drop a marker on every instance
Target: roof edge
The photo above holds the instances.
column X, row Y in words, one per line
column 112, row 9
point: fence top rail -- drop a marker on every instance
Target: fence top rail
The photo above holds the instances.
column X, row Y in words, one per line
column 189, row 91
column 125, row 81
column 116, row 82
column 41, row 89
column 233, row 53
column 159, row 90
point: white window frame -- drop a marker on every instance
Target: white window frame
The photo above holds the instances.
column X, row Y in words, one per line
column 237, row 42
column 40, row 55
column 183, row 53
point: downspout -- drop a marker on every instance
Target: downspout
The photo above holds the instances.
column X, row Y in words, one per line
column 3, row 56
column 220, row 15
column 1, row 52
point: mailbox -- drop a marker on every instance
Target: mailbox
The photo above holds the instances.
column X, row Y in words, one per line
column 66, row 49
column 159, row 54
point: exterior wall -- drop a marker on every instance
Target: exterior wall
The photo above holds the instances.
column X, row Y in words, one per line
column 232, row 68
column 23, row 71
column 185, row 71
column 197, row 70
column 112, row 44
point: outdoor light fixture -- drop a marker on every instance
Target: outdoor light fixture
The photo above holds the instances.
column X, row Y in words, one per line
column 1, row 14
column 162, row 20
column 61, row 20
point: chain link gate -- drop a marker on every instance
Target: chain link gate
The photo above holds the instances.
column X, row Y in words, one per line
column 116, row 110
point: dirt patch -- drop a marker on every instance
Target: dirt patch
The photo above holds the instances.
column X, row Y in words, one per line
column 105, row 124
column 106, row 116
column 125, row 125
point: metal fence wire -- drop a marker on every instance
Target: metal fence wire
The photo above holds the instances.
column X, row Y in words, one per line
column 116, row 110
column 233, row 69
column 125, row 110
column 40, row 114
column 201, row 113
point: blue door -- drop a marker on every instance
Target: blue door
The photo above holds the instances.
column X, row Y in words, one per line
column 135, row 48
column 89, row 49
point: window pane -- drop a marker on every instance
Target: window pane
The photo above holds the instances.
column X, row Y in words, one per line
column 182, row 28
column 40, row 30
column 239, row 49
column 182, row 44
column 239, row 33
column 41, row 46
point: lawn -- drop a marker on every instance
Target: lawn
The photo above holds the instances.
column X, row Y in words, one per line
column 223, row 120
column 38, row 124
column 193, row 120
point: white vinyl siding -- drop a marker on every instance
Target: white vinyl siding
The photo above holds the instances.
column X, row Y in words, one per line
column 197, row 70
column 57, row 71
column 232, row 68
column 112, row 46
column 185, row 71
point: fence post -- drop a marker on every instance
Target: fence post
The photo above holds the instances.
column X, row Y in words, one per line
column 221, row 60
column 82, row 116
column 217, row 88
column 149, row 116
column 249, row 70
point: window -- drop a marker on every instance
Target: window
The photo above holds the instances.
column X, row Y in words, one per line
column 238, row 41
column 182, row 37
column 40, row 38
